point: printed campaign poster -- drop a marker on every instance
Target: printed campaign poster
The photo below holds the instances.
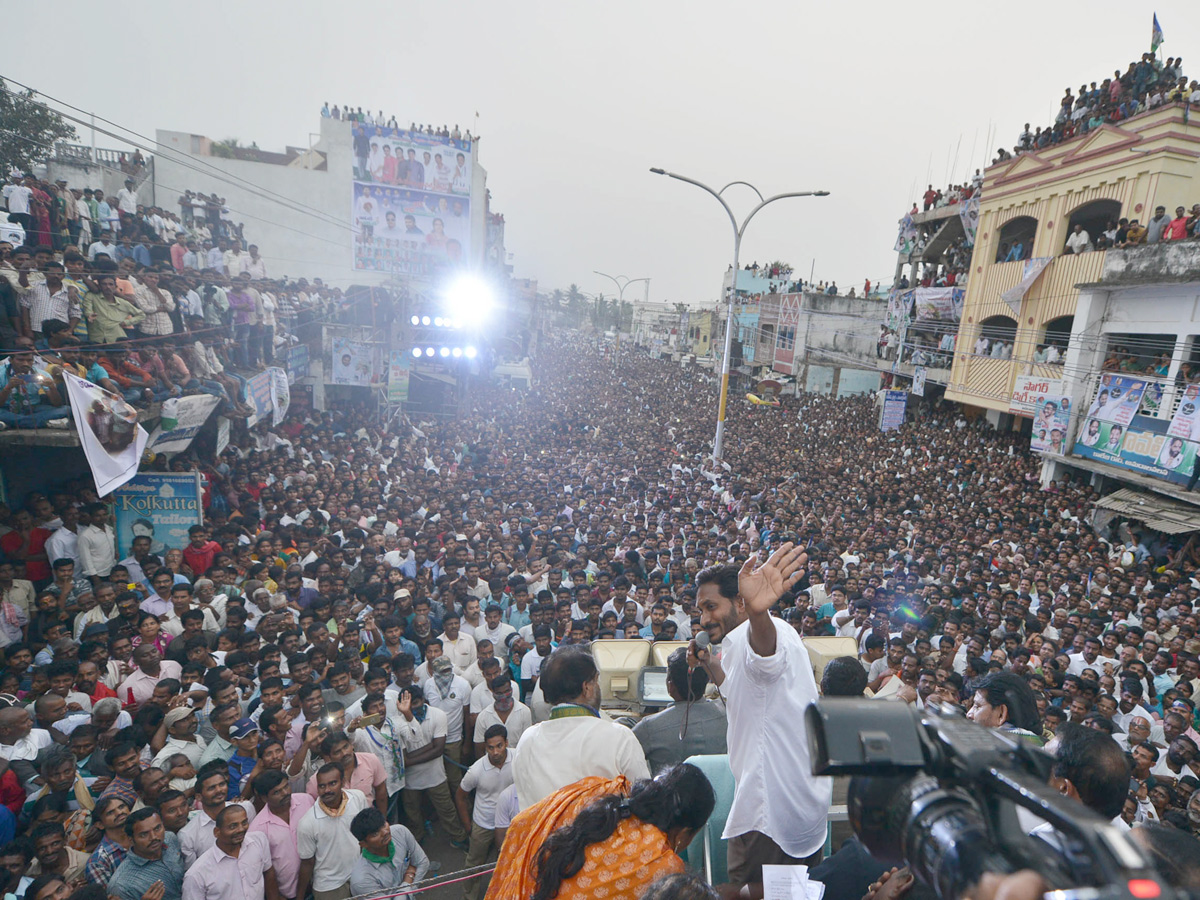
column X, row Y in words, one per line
column 1118, row 398
column 918, row 385
column 222, row 434
column 1099, row 439
column 353, row 362
column 1144, row 446
column 1028, row 389
column 108, row 428
column 1186, row 421
column 398, row 377
column 264, row 394
column 1052, row 415
column 182, row 419
column 158, row 505
column 892, row 417
column 281, row 394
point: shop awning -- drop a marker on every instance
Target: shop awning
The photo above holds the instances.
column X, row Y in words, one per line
column 1159, row 513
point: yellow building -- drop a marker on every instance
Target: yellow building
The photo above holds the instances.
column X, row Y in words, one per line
column 1035, row 200
column 700, row 332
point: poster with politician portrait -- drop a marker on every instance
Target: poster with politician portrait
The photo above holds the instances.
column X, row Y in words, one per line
column 1117, row 399
column 1051, row 416
column 1186, row 421
column 412, row 201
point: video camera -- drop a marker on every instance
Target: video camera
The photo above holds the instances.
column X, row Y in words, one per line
column 940, row 794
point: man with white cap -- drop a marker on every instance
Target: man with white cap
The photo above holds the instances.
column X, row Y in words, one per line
column 180, row 725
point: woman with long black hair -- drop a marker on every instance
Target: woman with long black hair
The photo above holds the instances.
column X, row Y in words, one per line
column 596, row 839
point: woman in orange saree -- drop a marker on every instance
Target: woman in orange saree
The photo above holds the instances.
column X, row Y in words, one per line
column 598, row 839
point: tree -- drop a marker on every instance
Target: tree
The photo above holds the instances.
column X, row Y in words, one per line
column 30, row 130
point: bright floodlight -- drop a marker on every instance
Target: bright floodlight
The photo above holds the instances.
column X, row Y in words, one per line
column 457, row 351
column 417, row 352
column 445, row 351
column 469, row 298
column 438, row 321
column 425, row 320
column 470, row 352
column 429, row 351
column 416, row 320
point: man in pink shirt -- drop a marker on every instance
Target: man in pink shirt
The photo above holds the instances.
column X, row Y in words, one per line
column 238, row 865
column 278, row 821
column 178, row 249
column 360, row 771
column 151, row 669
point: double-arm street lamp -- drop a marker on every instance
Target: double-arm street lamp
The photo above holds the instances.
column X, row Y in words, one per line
column 622, row 282
column 738, row 231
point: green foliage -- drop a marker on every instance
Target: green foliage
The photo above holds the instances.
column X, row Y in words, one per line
column 30, row 130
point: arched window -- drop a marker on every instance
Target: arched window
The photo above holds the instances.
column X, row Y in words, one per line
column 1016, row 239
column 1058, row 332
column 1094, row 218
column 994, row 332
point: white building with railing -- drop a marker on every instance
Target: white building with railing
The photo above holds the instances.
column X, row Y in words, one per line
column 1140, row 322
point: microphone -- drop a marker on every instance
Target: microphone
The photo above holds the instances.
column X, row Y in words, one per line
column 701, row 641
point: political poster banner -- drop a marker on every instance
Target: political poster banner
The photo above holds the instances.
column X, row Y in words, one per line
column 918, row 385
column 411, row 201
column 281, row 394
column 223, row 427
column 1028, row 389
column 354, row 362
column 266, row 391
column 1033, row 270
column 108, row 429
column 1118, row 398
column 892, row 416
column 906, row 239
column 1051, row 418
column 398, row 370
column 968, row 214
column 181, row 420
column 1152, row 399
column 1144, row 446
column 159, row 505
column 1186, row 421
column 298, row 363
column 937, row 304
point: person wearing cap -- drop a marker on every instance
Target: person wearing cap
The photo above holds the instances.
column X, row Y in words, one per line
column 245, row 736
column 180, row 726
column 448, row 691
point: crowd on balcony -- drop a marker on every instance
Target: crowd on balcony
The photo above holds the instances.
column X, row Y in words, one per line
column 951, row 196
column 154, row 307
column 1146, row 84
column 358, row 117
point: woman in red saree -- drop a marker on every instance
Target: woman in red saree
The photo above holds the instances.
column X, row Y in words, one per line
column 600, row 839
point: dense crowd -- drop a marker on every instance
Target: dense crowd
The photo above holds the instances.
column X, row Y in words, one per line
column 364, row 630
column 158, row 306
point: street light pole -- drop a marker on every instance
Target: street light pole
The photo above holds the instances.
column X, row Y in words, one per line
column 738, row 231
column 616, row 279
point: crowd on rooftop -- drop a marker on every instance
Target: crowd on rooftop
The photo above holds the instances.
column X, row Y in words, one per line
column 157, row 305
column 380, row 625
column 357, row 116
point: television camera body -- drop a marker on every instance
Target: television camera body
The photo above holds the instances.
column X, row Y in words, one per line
column 939, row 793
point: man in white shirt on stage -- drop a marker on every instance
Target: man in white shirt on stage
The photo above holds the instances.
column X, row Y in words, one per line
column 766, row 677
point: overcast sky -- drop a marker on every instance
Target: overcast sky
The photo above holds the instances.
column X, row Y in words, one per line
column 577, row 101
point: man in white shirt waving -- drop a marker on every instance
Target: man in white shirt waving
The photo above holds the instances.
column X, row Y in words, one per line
column 766, row 678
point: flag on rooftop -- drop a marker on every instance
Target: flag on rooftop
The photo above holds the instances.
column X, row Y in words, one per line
column 1156, row 35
